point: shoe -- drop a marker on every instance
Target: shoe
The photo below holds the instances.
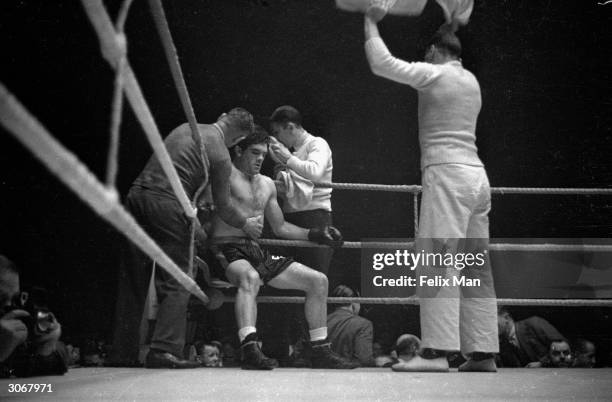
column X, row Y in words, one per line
column 420, row 364
column 252, row 358
column 161, row 359
column 483, row 366
column 324, row 357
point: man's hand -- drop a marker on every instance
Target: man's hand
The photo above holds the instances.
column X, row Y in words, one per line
column 47, row 343
column 253, row 226
column 279, row 153
column 13, row 332
column 378, row 9
column 327, row 235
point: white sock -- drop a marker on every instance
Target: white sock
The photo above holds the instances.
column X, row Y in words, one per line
column 318, row 334
column 245, row 331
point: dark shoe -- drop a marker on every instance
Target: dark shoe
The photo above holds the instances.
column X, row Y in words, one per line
column 252, row 358
column 161, row 359
column 324, row 357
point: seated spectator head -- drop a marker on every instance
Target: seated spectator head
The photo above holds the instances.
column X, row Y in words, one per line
column 9, row 285
column 210, row 354
column 584, row 354
column 559, row 354
column 27, row 332
column 406, row 346
column 505, row 323
column 346, row 291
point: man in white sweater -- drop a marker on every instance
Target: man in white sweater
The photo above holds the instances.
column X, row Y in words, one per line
column 455, row 204
column 303, row 204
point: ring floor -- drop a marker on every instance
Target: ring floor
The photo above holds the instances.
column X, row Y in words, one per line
column 365, row 384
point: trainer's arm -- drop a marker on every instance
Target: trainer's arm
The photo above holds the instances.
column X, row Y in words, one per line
column 220, row 172
column 315, row 164
column 382, row 63
column 276, row 219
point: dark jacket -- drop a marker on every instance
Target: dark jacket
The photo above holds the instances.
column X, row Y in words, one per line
column 534, row 335
column 351, row 336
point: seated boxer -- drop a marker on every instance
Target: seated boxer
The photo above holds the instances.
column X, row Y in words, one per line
column 247, row 266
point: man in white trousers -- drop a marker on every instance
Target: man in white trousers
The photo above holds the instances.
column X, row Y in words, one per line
column 455, row 204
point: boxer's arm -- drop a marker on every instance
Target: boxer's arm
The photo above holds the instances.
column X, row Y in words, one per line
column 276, row 219
column 382, row 63
column 315, row 164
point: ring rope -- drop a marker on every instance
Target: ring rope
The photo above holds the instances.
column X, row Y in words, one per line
column 111, row 50
column 410, row 245
column 415, row 206
column 117, row 106
column 67, row 167
column 402, row 188
column 415, row 301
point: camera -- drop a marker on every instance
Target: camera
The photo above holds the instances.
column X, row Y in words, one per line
column 41, row 319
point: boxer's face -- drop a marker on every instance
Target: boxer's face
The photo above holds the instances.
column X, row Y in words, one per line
column 253, row 157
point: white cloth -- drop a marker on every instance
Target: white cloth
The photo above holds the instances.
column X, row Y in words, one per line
column 298, row 190
column 454, row 10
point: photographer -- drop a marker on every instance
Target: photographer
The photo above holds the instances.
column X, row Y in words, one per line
column 28, row 340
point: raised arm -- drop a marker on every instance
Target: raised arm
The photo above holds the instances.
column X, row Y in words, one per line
column 382, row 63
column 313, row 168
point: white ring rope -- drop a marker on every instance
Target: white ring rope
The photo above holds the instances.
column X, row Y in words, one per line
column 67, row 167
column 112, row 51
column 410, row 245
column 415, row 301
column 402, row 188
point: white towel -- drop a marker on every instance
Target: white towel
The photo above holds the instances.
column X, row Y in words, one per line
column 454, row 10
column 298, row 190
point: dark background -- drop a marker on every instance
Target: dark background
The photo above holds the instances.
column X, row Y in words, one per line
column 544, row 66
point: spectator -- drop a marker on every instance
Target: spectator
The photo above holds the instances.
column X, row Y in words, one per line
column 406, row 347
column 584, row 354
column 210, row 354
column 29, row 345
column 559, row 355
column 525, row 341
column 351, row 336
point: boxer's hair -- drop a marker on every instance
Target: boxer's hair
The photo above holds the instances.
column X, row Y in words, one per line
column 241, row 119
column 343, row 291
column 258, row 136
column 7, row 265
column 286, row 114
column 445, row 39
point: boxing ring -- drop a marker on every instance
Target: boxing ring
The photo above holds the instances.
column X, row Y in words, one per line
column 282, row 384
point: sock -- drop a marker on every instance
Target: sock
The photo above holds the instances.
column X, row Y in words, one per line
column 245, row 331
column 318, row 334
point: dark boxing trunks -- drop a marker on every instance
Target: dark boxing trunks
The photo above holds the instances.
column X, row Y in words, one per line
column 229, row 249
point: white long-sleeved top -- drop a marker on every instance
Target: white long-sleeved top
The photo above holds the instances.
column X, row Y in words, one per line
column 449, row 104
column 313, row 161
